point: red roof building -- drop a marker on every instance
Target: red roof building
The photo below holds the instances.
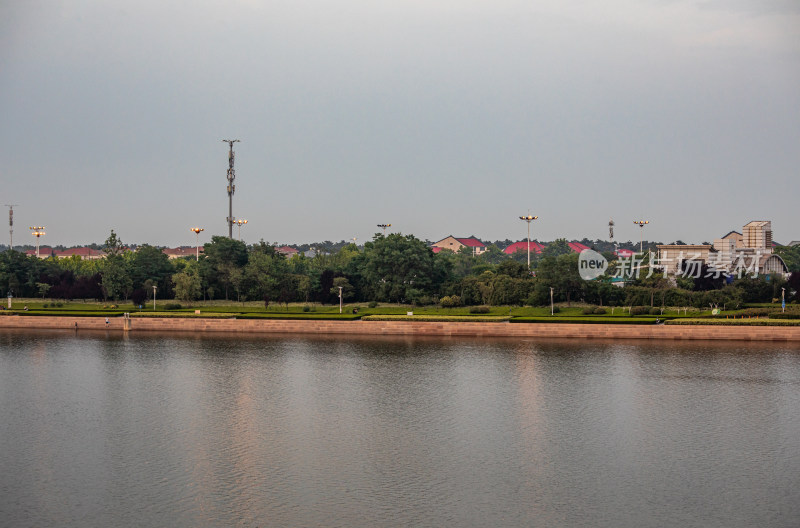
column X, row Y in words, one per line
column 536, row 247
column 287, row 251
column 577, row 247
column 455, row 244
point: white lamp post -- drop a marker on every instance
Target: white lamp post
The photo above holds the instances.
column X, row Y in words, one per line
column 529, row 219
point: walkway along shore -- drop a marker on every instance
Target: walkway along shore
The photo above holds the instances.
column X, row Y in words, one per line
column 412, row 328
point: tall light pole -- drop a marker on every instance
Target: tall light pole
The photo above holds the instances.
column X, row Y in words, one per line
column 231, row 186
column 154, row 297
column 11, row 224
column 384, row 226
column 38, row 231
column 641, row 224
column 783, row 300
column 196, row 231
column 240, row 222
column 529, row 219
column 340, row 299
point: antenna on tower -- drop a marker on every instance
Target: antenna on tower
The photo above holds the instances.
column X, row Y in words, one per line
column 231, row 186
column 11, row 224
column 611, row 232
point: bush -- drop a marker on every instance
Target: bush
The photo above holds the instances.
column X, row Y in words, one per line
column 423, row 300
column 306, row 308
column 655, row 311
column 172, row 306
column 640, row 310
column 589, row 310
column 556, row 309
column 373, row 304
column 450, row 302
column 479, row 309
column 600, row 311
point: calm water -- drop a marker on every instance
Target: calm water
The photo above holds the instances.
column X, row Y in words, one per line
column 101, row 430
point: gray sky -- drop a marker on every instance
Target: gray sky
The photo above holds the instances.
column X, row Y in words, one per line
column 438, row 116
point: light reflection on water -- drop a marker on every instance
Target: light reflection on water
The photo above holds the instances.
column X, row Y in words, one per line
column 157, row 430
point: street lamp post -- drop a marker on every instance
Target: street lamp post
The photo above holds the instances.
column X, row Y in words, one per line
column 196, row 231
column 154, row 297
column 239, row 222
column 340, row 299
column 551, row 301
column 529, row 219
column 384, row 226
column 641, row 224
column 38, row 231
column 783, row 300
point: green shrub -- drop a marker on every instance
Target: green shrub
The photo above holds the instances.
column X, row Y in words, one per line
column 306, row 308
column 439, row 318
column 172, row 306
column 479, row 309
column 589, row 310
column 600, row 311
column 655, row 311
column 373, row 304
column 787, row 315
column 640, row 310
column 450, row 302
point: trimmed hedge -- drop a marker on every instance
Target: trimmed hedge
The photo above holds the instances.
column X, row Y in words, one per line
column 440, row 318
column 301, row 315
column 586, row 320
column 184, row 315
column 733, row 322
column 62, row 313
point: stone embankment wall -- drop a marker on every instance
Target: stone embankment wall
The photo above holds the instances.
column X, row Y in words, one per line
column 412, row 328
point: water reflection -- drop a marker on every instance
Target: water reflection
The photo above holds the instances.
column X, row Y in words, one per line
column 154, row 430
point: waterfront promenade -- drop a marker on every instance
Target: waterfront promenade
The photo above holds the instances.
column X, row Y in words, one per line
column 411, row 328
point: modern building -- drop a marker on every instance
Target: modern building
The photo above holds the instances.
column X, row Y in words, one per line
column 749, row 253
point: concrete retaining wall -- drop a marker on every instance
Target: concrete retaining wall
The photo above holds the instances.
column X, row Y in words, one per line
column 467, row 329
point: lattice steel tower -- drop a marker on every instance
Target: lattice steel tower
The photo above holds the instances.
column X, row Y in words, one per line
column 231, row 186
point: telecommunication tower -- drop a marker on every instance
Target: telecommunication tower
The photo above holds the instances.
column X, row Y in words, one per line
column 231, row 186
column 11, row 224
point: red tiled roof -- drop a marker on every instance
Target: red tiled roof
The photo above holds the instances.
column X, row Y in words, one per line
column 523, row 246
column 286, row 250
column 577, row 247
column 624, row 253
column 436, row 249
column 471, row 242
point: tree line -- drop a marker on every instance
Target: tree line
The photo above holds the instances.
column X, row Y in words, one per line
column 393, row 268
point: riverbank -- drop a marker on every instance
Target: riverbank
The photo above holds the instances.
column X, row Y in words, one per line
column 411, row 328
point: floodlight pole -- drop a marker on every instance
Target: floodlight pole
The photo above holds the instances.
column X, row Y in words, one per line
column 641, row 224
column 340, row 299
column 231, row 186
column 529, row 219
column 197, row 233
column 384, row 226
column 37, row 232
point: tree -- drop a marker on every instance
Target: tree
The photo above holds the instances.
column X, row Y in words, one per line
column 113, row 245
column 188, row 286
column 557, row 248
column 398, row 267
column 347, row 288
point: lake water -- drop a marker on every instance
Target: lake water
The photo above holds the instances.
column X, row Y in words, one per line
column 184, row 431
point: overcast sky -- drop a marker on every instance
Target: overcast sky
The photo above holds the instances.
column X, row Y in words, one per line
column 438, row 116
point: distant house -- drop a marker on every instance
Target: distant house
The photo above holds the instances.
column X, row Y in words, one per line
column 180, row 252
column 577, row 247
column 287, row 251
column 624, row 253
column 536, row 247
column 455, row 244
column 82, row 252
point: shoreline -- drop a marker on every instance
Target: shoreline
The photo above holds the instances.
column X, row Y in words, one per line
column 411, row 328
